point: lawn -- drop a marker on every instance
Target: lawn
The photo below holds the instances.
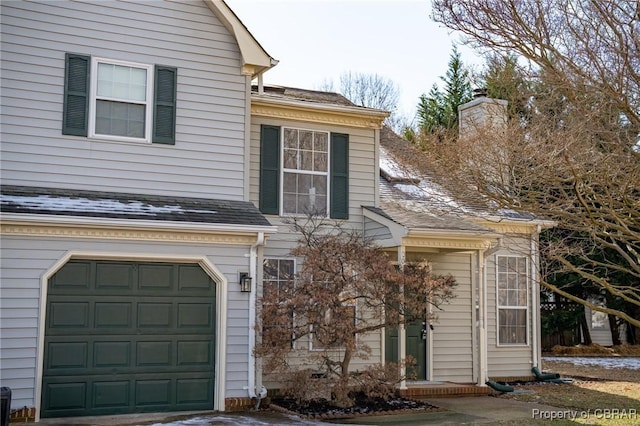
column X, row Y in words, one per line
column 599, row 396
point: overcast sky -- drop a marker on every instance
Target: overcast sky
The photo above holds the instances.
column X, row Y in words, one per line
column 317, row 40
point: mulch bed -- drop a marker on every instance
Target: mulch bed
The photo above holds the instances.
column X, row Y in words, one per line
column 364, row 406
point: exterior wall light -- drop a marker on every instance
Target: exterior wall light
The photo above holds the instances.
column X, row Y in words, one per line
column 245, row 282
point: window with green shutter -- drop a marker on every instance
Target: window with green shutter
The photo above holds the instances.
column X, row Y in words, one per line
column 304, row 172
column 118, row 100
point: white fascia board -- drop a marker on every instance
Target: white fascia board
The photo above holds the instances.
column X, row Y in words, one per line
column 453, row 234
column 134, row 223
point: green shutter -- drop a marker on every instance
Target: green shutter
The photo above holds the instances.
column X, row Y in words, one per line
column 269, row 169
column 339, row 176
column 75, row 112
column 164, row 105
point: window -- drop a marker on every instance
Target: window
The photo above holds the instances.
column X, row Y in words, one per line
column 278, row 278
column 118, row 100
column 304, row 172
column 512, row 300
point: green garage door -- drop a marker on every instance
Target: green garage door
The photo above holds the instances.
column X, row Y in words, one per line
column 125, row 337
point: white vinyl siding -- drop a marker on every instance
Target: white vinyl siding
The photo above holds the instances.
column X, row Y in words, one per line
column 208, row 157
column 453, row 330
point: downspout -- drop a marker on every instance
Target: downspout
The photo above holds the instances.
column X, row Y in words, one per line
column 253, row 273
column 535, row 293
column 482, row 322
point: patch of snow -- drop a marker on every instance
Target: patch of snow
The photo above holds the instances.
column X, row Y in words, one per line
column 98, row 206
column 243, row 420
column 631, row 363
column 391, row 167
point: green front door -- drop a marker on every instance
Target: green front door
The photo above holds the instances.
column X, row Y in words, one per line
column 125, row 337
column 416, row 348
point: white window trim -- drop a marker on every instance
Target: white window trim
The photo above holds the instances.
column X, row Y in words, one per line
column 93, row 94
column 283, row 170
column 525, row 308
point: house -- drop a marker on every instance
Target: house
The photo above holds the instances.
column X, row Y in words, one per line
column 145, row 187
column 126, row 220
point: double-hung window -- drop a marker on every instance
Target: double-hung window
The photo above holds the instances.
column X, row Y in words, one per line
column 513, row 312
column 121, row 95
column 304, row 172
column 116, row 100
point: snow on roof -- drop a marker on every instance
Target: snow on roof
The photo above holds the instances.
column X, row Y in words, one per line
column 61, row 204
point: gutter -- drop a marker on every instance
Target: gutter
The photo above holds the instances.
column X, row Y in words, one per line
column 78, row 221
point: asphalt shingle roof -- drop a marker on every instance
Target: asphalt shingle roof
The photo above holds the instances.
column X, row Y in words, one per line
column 82, row 203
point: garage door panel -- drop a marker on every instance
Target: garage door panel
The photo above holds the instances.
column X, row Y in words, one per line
column 115, row 276
column 153, row 392
column 72, row 277
column 192, row 278
column 65, row 396
column 113, row 315
column 111, row 394
column 194, row 353
column 190, row 391
column 155, row 315
column 111, row 354
column 67, row 355
column 158, row 353
column 156, row 277
column 136, row 337
column 198, row 315
column 68, row 315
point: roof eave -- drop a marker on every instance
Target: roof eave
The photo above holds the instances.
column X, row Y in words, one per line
column 255, row 60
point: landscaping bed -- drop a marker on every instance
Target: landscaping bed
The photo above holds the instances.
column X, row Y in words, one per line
column 363, row 406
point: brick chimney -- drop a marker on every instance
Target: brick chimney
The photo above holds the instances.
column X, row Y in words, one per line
column 482, row 113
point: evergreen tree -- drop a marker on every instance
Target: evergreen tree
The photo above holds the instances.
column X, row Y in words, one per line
column 438, row 111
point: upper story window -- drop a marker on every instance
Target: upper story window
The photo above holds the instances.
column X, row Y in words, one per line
column 121, row 100
column 513, row 302
column 304, row 172
column 117, row 100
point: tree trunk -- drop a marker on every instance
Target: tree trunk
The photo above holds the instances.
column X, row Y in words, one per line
column 615, row 330
column 586, row 334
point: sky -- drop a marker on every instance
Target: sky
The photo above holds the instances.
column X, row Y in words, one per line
column 318, row 40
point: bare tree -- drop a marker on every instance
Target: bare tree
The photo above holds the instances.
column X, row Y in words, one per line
column 575, row 156
column 345, row 289
column 371, row 91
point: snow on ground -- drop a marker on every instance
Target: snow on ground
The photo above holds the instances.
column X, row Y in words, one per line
column 259, row 419
column 606, row 362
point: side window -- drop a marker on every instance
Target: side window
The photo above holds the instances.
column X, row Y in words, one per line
column 513, row 305
column 119, row 100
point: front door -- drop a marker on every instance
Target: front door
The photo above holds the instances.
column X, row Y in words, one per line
column 416, row 348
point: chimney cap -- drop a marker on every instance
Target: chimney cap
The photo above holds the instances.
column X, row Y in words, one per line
column 480, row 92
